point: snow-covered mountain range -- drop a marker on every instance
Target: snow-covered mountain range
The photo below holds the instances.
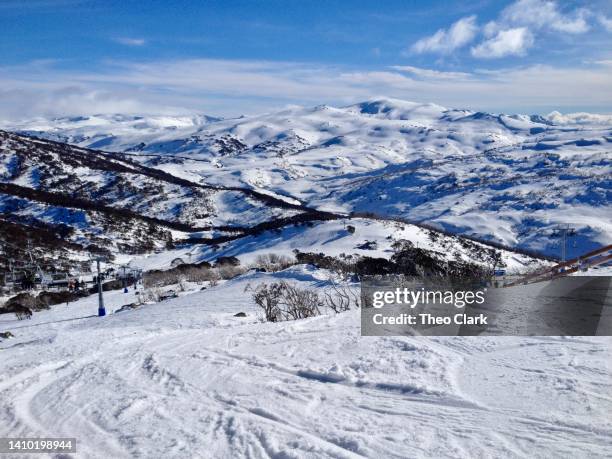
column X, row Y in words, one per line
column 363, row 183
column 69, row 201
column 507, row 178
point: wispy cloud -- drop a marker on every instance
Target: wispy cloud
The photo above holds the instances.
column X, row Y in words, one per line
column 510, row 42
column 605, row 21
column 444, row 41
column 545, row 14
column 233, row 87
column 429, row 73
column 130, row 41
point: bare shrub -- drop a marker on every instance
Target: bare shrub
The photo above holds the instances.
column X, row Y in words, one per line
column 283, row 301
column 343, row 265
column 204, row 275
column 214, row 278
column 25, row 299
column 154, row 279
column 272, row 262
column 196, row 274
column 341, row 298
column 267, row 297
column 227, row 261
column 151, row 294
column 191, row 273
column 300, row 303
column 22, row 312
column 229, row 271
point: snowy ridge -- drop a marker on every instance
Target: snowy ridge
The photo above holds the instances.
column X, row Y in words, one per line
column 85, row 200
column 370, row 238
column 105, row 202
column 510, row 178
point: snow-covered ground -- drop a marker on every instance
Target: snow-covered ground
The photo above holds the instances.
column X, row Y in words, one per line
column 331, row 238
column 510, row 178
column 185, row 378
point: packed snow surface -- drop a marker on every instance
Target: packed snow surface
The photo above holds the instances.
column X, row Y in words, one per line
column 185, row 378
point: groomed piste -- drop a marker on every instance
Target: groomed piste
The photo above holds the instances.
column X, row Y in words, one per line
column 184, row 377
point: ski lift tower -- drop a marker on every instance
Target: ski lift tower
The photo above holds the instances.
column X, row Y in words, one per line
column 564, row 231
column 123, row 274
column 101, row 309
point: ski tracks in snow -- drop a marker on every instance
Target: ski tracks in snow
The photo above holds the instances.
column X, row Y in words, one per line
column 313, row 388
column 553, row 393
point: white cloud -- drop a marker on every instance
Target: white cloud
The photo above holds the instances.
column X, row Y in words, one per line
column 443, row 41
column 131, row 41
column 432, row 74
column 513, row 32
column 545, row 14
column 232, row 87
column 579, row 118
column 606, row 22
column 511, row 42
column 490, row 28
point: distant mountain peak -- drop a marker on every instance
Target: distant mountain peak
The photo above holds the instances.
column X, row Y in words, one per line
column 389, row 108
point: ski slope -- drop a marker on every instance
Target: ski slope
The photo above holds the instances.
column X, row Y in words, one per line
column 185, row 378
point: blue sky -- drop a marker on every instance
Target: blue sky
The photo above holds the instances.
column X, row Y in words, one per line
column 231, row 57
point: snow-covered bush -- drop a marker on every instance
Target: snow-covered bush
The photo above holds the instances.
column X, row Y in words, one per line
column 229, row 272
column 201, row 275
column 150, row 294
column 190, row 273
column 213, row 278
column 272, row 262
column 343, row 265
column 156, row 278
column 227, row 261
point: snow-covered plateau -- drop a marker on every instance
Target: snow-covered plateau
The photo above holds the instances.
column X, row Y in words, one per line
column 185, row 378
